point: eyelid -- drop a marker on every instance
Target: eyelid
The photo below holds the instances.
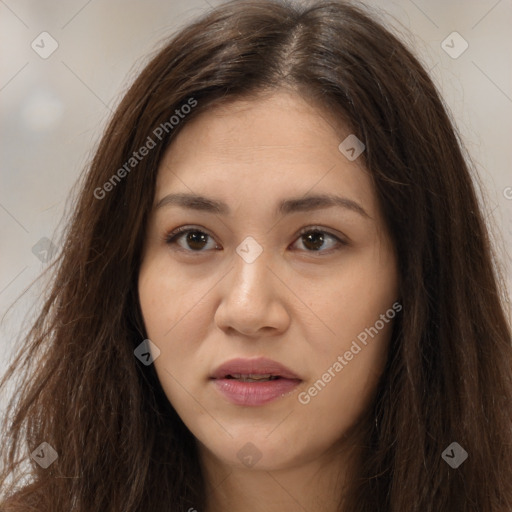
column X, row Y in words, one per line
column 184, row 229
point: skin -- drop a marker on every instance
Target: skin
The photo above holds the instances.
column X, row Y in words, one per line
column 203, row 304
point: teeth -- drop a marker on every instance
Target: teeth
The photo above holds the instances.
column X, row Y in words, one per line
column 252, row 377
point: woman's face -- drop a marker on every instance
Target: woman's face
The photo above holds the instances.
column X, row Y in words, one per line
column 252, row 279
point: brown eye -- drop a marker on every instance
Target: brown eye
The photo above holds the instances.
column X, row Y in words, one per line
column 313, row 240
column 316, row 240
column 195, row 240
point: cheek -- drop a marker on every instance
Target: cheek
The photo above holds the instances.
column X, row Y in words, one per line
column 352, row 302
column 345, row 382
column 172, row 308
column 167, row 298
column 157, row 296
column 348, row 362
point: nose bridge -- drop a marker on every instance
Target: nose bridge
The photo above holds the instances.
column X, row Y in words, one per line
column 251, row 272
column 250, row 303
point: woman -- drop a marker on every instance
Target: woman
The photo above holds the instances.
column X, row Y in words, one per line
column 277, row 290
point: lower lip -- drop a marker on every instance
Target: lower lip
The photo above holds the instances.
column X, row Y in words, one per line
column 254, row 393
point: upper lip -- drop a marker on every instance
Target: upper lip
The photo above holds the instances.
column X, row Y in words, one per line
column 256, row 366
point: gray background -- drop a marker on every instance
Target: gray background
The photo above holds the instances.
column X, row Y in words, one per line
column 53, row 110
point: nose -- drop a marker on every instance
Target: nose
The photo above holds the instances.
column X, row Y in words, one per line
column 253, row 299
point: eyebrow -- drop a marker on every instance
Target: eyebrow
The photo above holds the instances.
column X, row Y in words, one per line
column 286, row 206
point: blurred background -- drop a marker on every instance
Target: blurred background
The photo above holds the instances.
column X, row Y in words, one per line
column 65, row 65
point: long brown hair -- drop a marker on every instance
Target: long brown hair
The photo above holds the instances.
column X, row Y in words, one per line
column 120, row 444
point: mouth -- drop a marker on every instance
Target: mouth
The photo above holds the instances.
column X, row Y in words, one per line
column 253, row 382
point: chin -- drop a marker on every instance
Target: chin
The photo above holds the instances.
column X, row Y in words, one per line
column 255, row 451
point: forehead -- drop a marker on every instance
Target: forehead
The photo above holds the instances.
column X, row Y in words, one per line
column 268, row 147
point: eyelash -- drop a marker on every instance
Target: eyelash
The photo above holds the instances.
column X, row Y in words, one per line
column 172, row 237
